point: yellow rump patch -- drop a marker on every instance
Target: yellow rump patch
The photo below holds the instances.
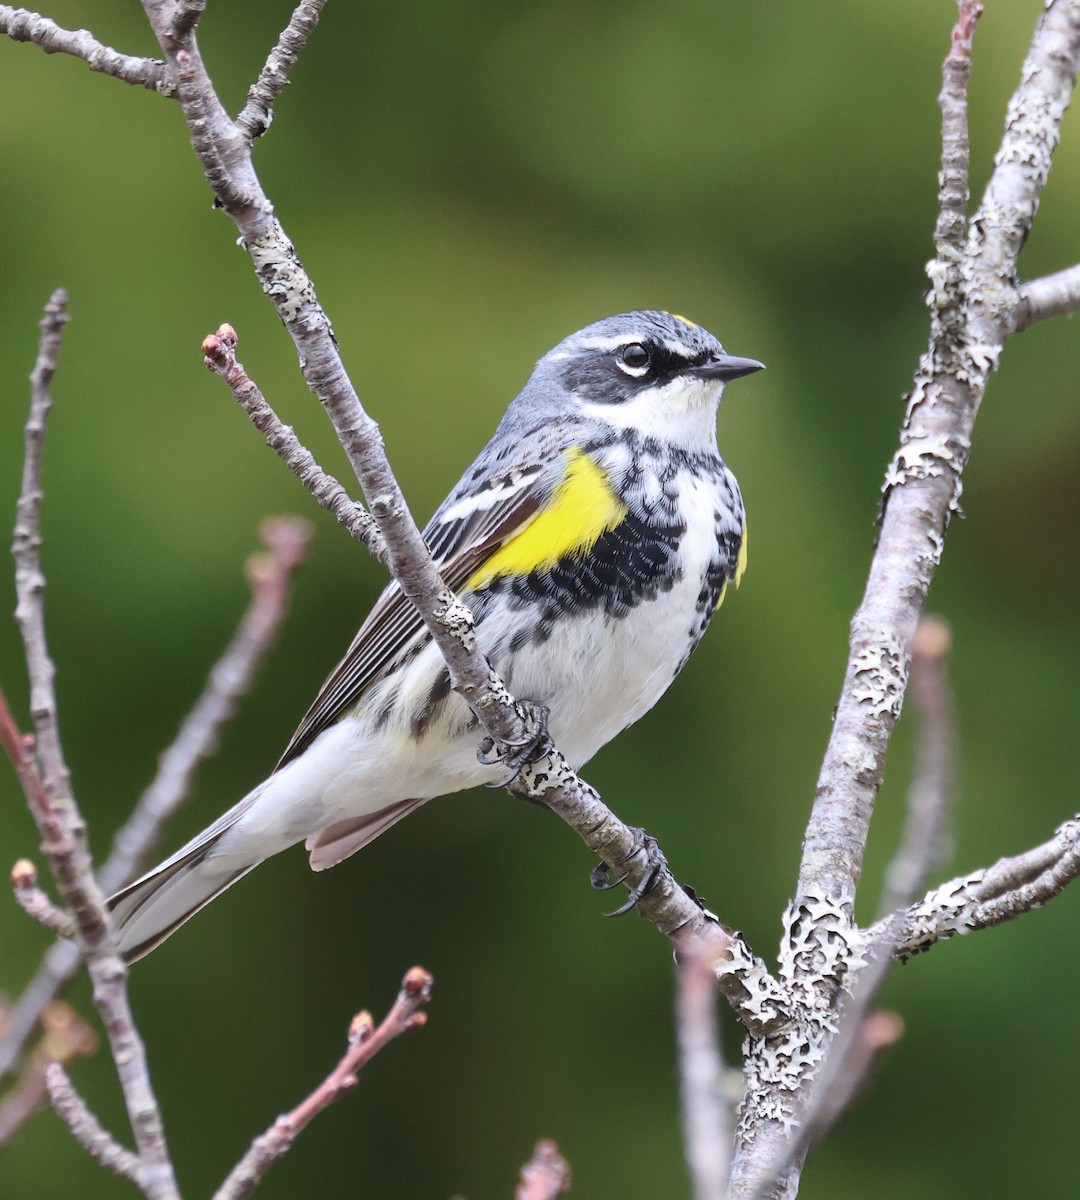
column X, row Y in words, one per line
column 582, row 507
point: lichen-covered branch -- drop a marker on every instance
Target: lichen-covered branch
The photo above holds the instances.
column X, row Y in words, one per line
column 973, row 306
column 365, row 1041
column 999, row 893
column 22, row 25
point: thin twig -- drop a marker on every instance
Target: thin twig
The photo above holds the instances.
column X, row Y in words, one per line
column 365, row 1041
column 953, row 193
column 1056, row 295
column 269, row 576
column 21, row 25
column 33, row 900
column 60, row 824
column 219, row 353
column 707, row 1118
column 924, row 841
column 87, row 1129
column 546, row 1175
column 1011, row 887
column 256, row 115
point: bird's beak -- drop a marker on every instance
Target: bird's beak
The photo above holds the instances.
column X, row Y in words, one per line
column 726, row 367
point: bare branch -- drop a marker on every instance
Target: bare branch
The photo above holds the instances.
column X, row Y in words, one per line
column 85, row 1127
column 269, row 577
column 365, row 1041
column 930, row 796
column 35, row 903
column 63, row 832
column 219, row 351
column 254, row 120
column 1056, row 295
column 21, row 25
column 546, row 1175
column 29, row 580
column 707, row 1117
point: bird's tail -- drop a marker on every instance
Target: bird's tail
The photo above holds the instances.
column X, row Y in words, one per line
column 147, row 911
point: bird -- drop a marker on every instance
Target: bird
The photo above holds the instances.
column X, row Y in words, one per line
column 592, row 538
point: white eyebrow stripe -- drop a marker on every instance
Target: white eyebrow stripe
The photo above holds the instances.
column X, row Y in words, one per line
column 613, row 343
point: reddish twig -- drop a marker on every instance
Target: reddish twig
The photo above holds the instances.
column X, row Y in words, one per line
column 365, row 1041
column 546, row 1175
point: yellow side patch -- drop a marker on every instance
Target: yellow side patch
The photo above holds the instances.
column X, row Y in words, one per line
column 740, row 566
column 581, row 508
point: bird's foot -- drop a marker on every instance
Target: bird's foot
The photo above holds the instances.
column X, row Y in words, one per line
column 655, row 862
column 534, row 744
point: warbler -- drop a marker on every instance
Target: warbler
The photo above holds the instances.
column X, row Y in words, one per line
column 593, row 538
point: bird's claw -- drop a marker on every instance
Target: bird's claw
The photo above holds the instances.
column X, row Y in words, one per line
column 534, row 744
column 655, row 863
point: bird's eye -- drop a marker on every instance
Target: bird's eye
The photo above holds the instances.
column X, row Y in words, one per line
column 634, row 358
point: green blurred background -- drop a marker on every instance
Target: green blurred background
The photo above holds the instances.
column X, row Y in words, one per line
column 467, row 183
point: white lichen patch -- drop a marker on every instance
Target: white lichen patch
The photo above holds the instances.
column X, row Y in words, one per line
column 880, row 671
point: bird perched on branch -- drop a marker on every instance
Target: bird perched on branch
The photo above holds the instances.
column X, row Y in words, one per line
column 592, row 539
